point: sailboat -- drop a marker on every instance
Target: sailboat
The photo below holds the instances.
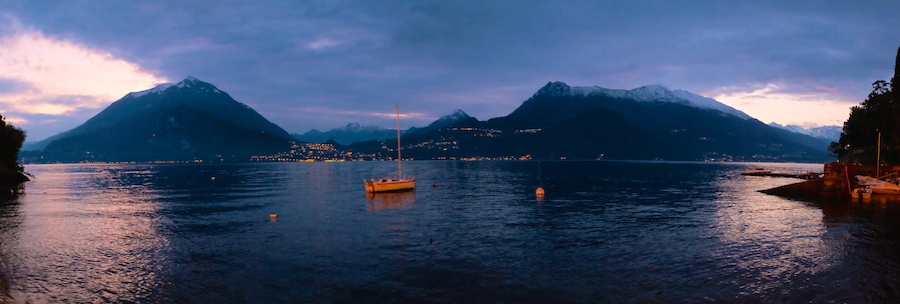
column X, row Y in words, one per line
column 390, row 184
column 877, row 184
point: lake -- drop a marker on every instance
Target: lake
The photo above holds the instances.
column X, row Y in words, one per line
column 472, row 232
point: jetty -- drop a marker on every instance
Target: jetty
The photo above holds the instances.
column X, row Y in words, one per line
column 807, row 175
column 838, row 181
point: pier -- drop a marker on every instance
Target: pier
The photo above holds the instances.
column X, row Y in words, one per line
column 837, row 182
column 808, row 175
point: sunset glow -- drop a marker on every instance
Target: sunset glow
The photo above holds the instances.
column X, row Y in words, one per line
column 769, row 103
column 45, row 75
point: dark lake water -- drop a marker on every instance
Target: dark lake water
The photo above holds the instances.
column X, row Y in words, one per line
column 605, row 232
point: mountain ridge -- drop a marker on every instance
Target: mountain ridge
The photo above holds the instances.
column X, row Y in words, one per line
column 650, row 122
column 647, row 93
column 557, row 121
column 348, row 134
column 190, row 119
column 444, row 121
column 832, row 133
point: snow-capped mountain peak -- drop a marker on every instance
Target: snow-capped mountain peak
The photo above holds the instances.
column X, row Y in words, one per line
column 189, row 82
column 158, row 89
column 832, row 133
column 449, row 119
column 648, row 93
column 456, row 116
column 356, row 127
column 192, row 82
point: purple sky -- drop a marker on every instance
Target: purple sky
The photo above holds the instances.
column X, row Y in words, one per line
column 323, row 64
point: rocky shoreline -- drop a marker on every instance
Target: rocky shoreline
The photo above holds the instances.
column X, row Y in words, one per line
column 12, row 182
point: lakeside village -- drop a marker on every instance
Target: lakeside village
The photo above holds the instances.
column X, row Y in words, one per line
column 328, row 152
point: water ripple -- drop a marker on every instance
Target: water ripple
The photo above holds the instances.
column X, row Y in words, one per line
column 605, row 232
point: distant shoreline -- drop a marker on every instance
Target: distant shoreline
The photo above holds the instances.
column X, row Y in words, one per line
column 428, row 160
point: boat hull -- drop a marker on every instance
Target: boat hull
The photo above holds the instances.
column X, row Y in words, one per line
column 877, row 186
column 392, row 185
column 888, row 191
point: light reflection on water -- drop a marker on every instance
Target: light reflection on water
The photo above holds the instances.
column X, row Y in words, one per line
column 390, row 200
column 84, row 242
column 770, row 243
column 605, row 231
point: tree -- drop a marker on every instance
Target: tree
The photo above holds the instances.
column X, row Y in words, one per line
column 880, row 112
column 896, row 75
column 11, row 140
column 11, row 173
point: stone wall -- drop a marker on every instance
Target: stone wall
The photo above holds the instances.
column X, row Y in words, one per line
column 837, row 180
column 840, row 178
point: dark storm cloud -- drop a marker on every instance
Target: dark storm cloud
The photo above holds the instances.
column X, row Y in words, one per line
column 323, row 64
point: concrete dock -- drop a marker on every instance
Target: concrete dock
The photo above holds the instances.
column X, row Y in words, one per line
column 837, row 182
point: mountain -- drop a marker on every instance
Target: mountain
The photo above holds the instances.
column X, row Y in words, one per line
column 188, row 120
column 351, row 133
column 449, row 119
column 650, row 122
column 650, row 93
column 354, row 132
column 830, row 133
column 446, row 120
column 30, row 146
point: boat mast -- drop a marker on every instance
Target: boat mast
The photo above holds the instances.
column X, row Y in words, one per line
column 399, row 166
column 877, row 158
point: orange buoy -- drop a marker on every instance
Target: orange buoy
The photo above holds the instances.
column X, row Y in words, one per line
column 539, row 192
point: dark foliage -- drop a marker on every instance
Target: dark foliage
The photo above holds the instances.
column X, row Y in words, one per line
column 11, row 140
column 896, row 69
column 879, row 113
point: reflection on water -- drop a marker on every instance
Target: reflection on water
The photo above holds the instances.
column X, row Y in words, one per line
column 71, row 237
column 770, row 243
column 604, row 232
column 390, row 200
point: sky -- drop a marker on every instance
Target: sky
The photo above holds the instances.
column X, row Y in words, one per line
column 322, row 64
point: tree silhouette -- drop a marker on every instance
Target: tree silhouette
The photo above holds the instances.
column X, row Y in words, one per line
column 879, row 113
column 896, row 74
column 11, row 140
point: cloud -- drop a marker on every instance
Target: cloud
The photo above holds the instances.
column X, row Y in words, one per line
column 484, row 57
column 46, row 75
column 53, row 67
column 798, row 106
column 15, row 120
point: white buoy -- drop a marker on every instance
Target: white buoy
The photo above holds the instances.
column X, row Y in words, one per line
column 212, row 178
